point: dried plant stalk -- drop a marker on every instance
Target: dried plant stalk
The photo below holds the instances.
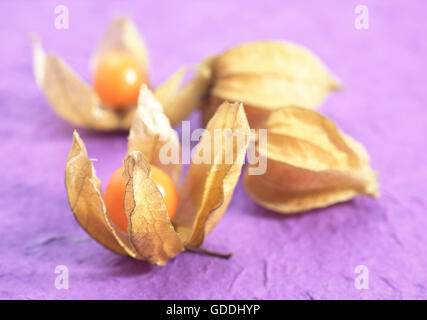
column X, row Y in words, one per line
column 310, row 164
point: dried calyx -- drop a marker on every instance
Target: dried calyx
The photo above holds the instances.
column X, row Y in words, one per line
column 310, row 164
column 264, row 76
column 79, row 104
column 203, row 197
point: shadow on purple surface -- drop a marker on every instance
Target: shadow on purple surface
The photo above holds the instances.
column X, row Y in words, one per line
column 128, row 267
column 269, row 214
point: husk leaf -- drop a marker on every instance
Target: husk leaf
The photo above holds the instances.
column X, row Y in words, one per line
column 122, row 35
column 208, row 187
column 178, row 101
column 310, row 164
column 266, row 75
column 274, row 58
column 203, row 199
column 150, row 230
column 71, row 98
column 150, row 235
column 84, row 196
column 151, row 131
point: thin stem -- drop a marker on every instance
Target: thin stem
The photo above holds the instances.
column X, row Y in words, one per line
column 202, row 250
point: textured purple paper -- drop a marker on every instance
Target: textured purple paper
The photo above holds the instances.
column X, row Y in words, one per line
column 309, row 256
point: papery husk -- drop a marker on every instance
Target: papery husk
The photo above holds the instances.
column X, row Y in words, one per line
column 208, row 187
column 257, row 117
column 151, row 131
column 203, row 199
column 122, row 35
column 267, row 75
column 310, row 164
column 85, row 197
column 71, row 97
column 178, row 101
column 150, row 235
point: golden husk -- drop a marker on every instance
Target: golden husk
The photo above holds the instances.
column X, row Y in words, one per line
column 151, row 131
column 77, row 102
column 85, row 197
column 122, row 35
column 267, row 75
column 179, row 102
column 72, row 98
column 310, row 164
column 203, row 199
column 207, row 188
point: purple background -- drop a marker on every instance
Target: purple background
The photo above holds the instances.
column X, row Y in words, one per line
column 312, row 255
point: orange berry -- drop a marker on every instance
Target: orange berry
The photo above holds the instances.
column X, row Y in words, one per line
column 117, row 79
column 167, row 189
column 115, row 195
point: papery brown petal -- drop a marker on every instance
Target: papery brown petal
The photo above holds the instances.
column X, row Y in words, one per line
column 70, row 97
column 179, row 102
column 274, row 58
column 122, row 35
column 257, row 117
column 150, row 230
column 151, row 133
column 269, row 92
column 267, row 75
column 208, row 187
column 310, row 164
column 85, row 198
column 310, row 127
